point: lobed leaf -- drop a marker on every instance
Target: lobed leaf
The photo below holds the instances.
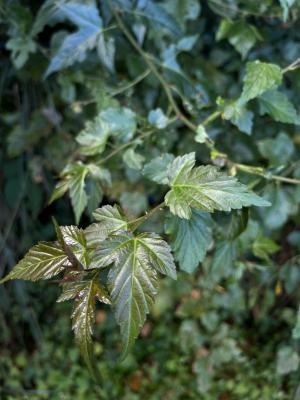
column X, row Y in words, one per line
column 205, row 188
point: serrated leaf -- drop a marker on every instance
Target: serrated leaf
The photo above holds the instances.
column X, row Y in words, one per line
column 190, row 239
column 259, row 78
column 156, row 169
column 279, row 107
column 205, row 188
column 241, row 35
column 110, row 219
column 85, row 292
column 132, row 278
column 75, row 46
column 42, row 261
column 93, row 137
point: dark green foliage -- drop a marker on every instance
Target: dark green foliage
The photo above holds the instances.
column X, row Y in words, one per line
column 172, row 126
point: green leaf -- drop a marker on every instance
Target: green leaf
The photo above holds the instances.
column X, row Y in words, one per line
column 133, row 159
column 77, row 192
column 263, row 247
column 60, row 189
column 205, row 188
column 190, row 239
column 158, row 118
column 201, row 135
column 283, row 205
column 94, row 137
column 259, row 78
column 132, row 278
column 241, row 35
column 85, row 291
column 296, row 330
column 223, row 259
column 286, row 5
column 239, row 116
column 156, row 169
column 21, row 47
column 287, row 360
column 271, row 149
column 279, row 107
column 120, row 122
column 42, row 261
column 110, row 219
column 75, row 46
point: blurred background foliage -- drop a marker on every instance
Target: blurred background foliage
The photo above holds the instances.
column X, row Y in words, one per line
column 231, row 329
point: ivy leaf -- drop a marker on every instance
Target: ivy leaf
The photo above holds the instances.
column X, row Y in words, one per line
column 110, row 219
column 205, row 188
column 190, row 239
column 121, row 122
column 279, row 107
column 42, row 261
column 85, row 291
column 75, row 46
column 241, row 35
column 132, row 278
column 94, row 137
column 156, row 169
column 259, row 78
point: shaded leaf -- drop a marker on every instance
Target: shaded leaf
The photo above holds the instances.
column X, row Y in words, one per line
column 279, row 107
column 241, row 35
column 190, row 239
column 94, row 137
column 156, row 169
column 121, row 122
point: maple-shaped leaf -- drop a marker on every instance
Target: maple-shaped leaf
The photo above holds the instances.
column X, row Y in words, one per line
column 75, row 46
column 133, row 277
column 85, row 291
column 42, row 261
column 205, row 188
